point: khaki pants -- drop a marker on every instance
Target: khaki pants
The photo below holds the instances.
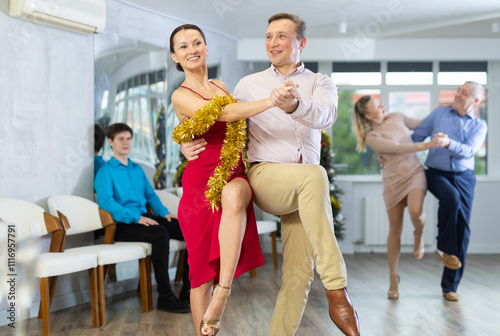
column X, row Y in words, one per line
column 299, row 193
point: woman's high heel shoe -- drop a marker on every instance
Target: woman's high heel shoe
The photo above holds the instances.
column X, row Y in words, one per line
column 393, row 293
column 418, row 246
column 211, row 327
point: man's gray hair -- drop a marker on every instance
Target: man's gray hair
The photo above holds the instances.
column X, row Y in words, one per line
column 477, row 90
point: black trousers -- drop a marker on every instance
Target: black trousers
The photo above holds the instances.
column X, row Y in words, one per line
column 159, row 237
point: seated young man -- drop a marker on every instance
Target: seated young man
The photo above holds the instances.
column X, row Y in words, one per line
column 123, row 189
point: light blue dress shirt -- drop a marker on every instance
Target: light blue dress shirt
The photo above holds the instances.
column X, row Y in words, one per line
column 467, row 134
column 125, row 191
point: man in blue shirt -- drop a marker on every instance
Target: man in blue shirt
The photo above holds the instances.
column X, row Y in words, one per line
column 459, row 133
column 123, row 189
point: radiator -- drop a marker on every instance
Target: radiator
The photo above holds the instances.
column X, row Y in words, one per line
column 376, row 223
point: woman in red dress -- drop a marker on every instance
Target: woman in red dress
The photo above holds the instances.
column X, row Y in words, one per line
column 216, row 210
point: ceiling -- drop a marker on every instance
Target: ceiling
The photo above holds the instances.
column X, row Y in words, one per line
column 376, row 18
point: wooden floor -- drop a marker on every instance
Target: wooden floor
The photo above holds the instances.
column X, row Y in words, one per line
column 420, row 310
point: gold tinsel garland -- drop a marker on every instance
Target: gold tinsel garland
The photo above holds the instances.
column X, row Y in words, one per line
column 234, row 144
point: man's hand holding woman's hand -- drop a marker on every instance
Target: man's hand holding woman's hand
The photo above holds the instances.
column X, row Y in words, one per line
column 286, row 97
column 439, row 140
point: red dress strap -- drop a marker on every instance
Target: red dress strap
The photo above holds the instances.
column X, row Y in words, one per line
column 219, row 87
column 185, row 87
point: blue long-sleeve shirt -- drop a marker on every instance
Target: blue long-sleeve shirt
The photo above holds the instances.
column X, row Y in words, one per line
column 467, row 134
column 125, row 191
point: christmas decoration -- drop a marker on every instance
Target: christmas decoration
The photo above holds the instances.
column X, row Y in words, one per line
column 159, row 132
column 326, row 162
column 234, row 147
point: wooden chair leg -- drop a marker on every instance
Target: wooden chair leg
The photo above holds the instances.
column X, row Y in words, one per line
column 94, row 294
column 52, row 287
column 45, row 305
column 275, row 253
column 148, row 282
column 143, row 276
column 180, row 266
column 110, row 271
column 102, row 295
column 253, row 273
column 150, row 289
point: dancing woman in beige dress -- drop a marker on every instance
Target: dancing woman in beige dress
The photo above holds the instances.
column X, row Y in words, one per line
column 403, row 175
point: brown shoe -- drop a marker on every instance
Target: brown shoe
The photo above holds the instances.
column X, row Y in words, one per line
column 341, row 311
column 450, row 261
column 451, row 296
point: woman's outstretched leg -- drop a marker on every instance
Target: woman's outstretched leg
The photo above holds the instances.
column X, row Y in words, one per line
column 395, row 215
column 417, row 215
column 236, row 197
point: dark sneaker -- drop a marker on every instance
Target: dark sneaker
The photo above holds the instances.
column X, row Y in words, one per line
column 172, row 304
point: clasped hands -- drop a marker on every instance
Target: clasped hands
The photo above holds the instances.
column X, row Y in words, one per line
column 439, row 140
column 286, row 97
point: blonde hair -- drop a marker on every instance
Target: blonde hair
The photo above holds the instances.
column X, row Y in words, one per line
column 360, row 125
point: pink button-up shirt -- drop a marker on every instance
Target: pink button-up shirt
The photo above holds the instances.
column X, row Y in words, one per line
column 276, row 136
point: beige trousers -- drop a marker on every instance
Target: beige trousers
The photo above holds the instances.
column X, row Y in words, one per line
column 299, row 193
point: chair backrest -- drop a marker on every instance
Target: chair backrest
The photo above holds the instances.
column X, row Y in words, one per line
column 169, row 200
column 176, row 191
column 82, row 214
column 28, row 217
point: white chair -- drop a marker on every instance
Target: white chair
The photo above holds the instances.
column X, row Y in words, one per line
column 33, row 222
column 79, row 215
column 171, row 202
column 264, row 227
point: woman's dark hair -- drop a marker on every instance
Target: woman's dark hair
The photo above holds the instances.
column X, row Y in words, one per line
column 178, row 29
column 99, row 137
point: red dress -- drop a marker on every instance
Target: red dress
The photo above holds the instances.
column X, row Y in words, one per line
column 200, row 226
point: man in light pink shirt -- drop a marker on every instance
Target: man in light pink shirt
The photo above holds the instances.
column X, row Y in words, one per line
column 286, row 178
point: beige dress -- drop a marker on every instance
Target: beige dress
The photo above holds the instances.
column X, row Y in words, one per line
column 402, row 172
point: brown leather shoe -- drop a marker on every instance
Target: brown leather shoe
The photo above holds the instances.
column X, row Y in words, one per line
column 450, row 261
column 341, row 311
column 451, row 296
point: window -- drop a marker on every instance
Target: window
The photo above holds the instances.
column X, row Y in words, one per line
column 138, row 101
column 409, row 73
column 357, row 73
column 457, row 73
column 414, row 104
column 347, row 160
